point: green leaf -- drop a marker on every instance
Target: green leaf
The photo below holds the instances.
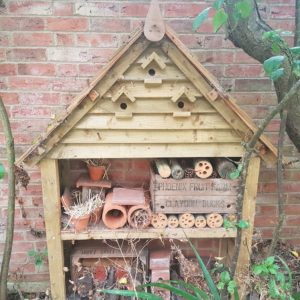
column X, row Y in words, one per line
column 225, row 277
column 192, row 287
column 295, row 51
column 31, row 253
column 243, row 224
column 277, row 74
column 296, row 67
column 221, row 285
column 257, row 269
column 287, row 269
column 228, row 224
column 244, row 8
column 211, row 285
column 220, row 18
column 139, row 295
column 296, row 296
column 276, row 49
column 231, row 287
column 200, row 18
column 172, row 289
column 218, row 4
column 2, row 171
column 269, row 260
column 273, row 63
column 235, row 174
column 273, row 289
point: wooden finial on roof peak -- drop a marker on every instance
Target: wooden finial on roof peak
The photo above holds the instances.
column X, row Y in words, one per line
column 154, row 28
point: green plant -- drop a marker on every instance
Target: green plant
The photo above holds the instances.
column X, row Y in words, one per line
column 39, row 256
column 242, row 224
column 2, row 171
column 277, row 279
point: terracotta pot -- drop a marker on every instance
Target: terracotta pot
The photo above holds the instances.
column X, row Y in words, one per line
column 96, row 216
column 66, row 199
column 114, row 216
column 96, row 173
column 81, row 223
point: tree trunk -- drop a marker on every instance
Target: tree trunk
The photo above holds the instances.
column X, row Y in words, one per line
column 247, row 34
column 11, row 200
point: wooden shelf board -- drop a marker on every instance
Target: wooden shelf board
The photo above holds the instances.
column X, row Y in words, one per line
column 150, row 233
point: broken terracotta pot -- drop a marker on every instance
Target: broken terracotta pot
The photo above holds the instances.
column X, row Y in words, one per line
column 96, row 172
column 81, row 223
column 139, row 216
column 96, row 216
column 66, row 199
column 114, row 216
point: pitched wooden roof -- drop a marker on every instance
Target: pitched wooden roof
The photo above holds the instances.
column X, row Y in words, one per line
column 210, row 88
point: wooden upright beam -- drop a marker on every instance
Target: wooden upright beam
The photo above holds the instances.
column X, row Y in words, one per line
column 248, row 214
column 52, row 214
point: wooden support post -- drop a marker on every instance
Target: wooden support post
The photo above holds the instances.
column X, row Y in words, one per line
column 242, row 268
column 52, row 212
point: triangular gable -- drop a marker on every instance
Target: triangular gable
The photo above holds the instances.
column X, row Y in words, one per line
column 201, row 79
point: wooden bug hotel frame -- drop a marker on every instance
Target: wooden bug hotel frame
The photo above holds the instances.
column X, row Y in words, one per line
column 153, row 99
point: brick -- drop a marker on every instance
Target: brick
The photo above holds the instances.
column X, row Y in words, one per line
column 19, row 258
column 15, row 23
column 8, row 69
column 106, row 25
column 283, row 12
column 134, row 9
column 292, row 209
column 215, row 57
column 268, row 210
column 244, row 71
column 282, row 24
column 292, row 220
column 67, row 24
column 66, row 70
column 30, row 83
column 216, row 70
column 97, row 40
column 65, row 39
column 252, row 85
column 21, row 247
column 9, row 98
column 101, row 9
column 32, row 39
column 26, row 54
column 183, row 10
column 69, row 54
column 69, row 84
column 36, row 69
column 24, row 112
column 265, row 221
column 4, row 39
column 30, row 8
column 62, row 9
column 243, row 58
column 89, row 69
column 141, row 165
column 39, row 98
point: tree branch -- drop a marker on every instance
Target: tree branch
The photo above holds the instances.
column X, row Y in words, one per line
column 11, row 200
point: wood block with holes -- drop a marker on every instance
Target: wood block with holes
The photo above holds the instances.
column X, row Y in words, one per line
column 193, row 195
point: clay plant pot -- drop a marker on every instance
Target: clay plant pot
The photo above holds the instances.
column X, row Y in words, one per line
column 96, row 173
column 114, row 216
column 66, row 199
column 96, row 216
column 81, row 223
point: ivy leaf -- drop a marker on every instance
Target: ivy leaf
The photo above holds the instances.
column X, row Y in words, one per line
column 269, row 260
column 275, row 49
column 220, row 285
column 243, row 224
column 257, row 269
column 273, row 63
column 200, row 18
column 218, row 4
column 295, row 51
column 277, row 74
column 296, row 67
column 220, row 18
column 231, row 287
column 244, row 8
column 225, row 277
column 31, row 253
column 228, row 224
column 2, row 171
column 273, row 289
column 235, row 174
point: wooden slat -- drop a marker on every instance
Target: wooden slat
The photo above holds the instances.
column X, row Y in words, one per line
column 149, row 51
column 74, row 151
column 138, row 89
column 149, row 233
column 248, row 214
column 150, row 106
column 52, row 215
column 212, row 121
column 150, row 136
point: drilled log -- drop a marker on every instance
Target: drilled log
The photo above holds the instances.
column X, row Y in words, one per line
column 203, row 168
column 163, row 168
column 173, row 221
column 224, row 167
column 159, row 221
column 176, row 170
column 200, row 221
column 186, row 220
column 214, row 220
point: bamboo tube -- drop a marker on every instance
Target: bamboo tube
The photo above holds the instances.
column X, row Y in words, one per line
column 200, row 221
column 159, row 221
column 163, row 168
column 214, row 220
column 114, row 216
column 173, row 221
column 203, row 168
column 139, row 216
column 224, row 167
column 176, row 170
column 186, row 220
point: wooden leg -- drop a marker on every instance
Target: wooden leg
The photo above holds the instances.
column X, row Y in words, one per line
column 226, row 250
column 242, row 268
column 52, row 212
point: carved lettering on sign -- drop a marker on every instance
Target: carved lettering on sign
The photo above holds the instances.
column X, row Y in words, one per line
column 196, row 203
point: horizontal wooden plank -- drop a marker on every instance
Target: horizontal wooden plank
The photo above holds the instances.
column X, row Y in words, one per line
column 80, row 136
column 149, row 233
column 138, row 89
column 155, row 121
column 193, row 204
column 150, row 106
column 73, row 151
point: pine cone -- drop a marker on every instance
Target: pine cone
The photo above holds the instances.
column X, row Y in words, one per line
column 189, row 173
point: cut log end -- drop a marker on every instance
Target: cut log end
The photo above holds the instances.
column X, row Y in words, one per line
column 203, row 168
column 163, row 168
column 200, row 221
column 214, row 220
column 159, row 221
column 186, row 220
column 173, row 221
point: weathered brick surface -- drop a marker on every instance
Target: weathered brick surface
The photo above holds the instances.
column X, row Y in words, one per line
column 50, row 49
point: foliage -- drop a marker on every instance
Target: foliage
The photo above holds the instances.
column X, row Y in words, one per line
column 242, row 224
column 277, row 278
column 40, row 256
column 2, row 171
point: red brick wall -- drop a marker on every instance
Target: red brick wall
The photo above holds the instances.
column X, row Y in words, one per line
column 49, row 50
